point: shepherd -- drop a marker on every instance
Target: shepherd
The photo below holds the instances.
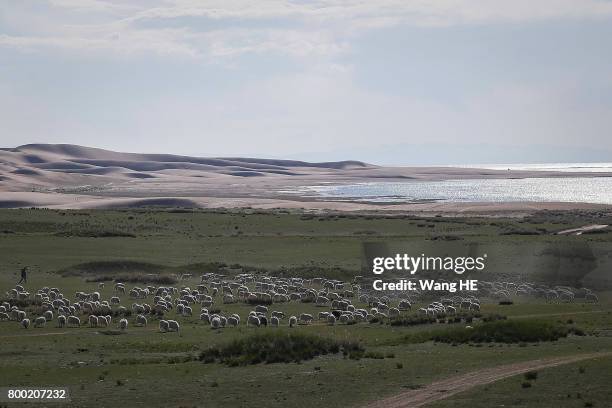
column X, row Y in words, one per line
column 24, row 275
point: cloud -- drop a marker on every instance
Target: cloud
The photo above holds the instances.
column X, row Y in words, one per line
column 295, row 28
column 92, row 5
column 122, row 42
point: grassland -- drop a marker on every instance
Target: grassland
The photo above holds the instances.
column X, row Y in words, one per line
column 74, row 249
column 578, row 385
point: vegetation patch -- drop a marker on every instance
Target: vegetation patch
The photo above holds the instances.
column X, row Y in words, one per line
column 111, row 332
column 499, row 331
column 277, row 347
column 110, row 268
column 95, row 234
column 416, row 320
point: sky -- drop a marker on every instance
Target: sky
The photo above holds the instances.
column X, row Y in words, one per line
column 385, row 81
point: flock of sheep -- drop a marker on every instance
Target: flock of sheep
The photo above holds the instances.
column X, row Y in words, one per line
column 259, row 291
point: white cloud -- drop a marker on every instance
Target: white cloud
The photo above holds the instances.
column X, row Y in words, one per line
column 93, row 5
column 298, row 29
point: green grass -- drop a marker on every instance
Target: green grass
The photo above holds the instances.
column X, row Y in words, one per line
column 579, row 385
column 73, row 249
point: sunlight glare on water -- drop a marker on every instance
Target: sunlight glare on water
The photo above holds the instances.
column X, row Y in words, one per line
column 596, row 190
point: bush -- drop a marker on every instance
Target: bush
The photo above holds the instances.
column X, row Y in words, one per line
column 111, row 332
column 277, row 347
column 500, row 331
column 531, row 375
column 95, row 234
column 413, row 320
column 493, row 317
column 526, row 384
column 374, row 355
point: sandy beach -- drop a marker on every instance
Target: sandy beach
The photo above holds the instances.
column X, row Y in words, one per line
column 69, row 176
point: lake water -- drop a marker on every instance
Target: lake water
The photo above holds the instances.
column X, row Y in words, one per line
column 564, row 167
column 597, row 190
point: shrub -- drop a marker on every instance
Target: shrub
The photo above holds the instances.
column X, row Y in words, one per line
column 374, row 355
column 493, row 317
column 95, row 234
column 531, row 375
column 500, row 331
column 526, row 384
column 111, row 332
column 413, row 320
column 277, row 347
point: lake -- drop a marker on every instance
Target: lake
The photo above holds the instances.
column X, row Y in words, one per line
column 596, row 190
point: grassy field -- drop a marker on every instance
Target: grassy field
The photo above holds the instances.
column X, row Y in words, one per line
column 74, row 249
column 578, row 385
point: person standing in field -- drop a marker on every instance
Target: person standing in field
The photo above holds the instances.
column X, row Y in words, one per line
column 24, row 275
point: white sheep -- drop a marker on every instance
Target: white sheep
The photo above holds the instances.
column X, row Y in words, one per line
column 253, row 321
column 93, row 321
column 25, row 323
column 591, row 297
column 215, row 322
column 261, row 309
column 173, row 325
column 404, row 305
column 280, row 315
column 103, row 321
column 274, row 321
column 40, row 321
column 73, row 321
column 141, row 320
column 331, row 319
column 306, row 318
column 61, row 321
column 4, row 316
column 48, row 315
column 163, row 326
column 292, row 321
column 232, row 321
column 187, row 311
column 123, row 324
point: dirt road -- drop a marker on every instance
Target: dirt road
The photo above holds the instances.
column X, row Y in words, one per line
column 445, row 388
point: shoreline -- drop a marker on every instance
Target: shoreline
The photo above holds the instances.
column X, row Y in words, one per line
column 79, row 202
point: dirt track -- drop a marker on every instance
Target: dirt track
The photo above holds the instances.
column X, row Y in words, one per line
column 448, row 387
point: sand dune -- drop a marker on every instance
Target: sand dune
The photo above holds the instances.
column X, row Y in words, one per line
column 70, row 176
